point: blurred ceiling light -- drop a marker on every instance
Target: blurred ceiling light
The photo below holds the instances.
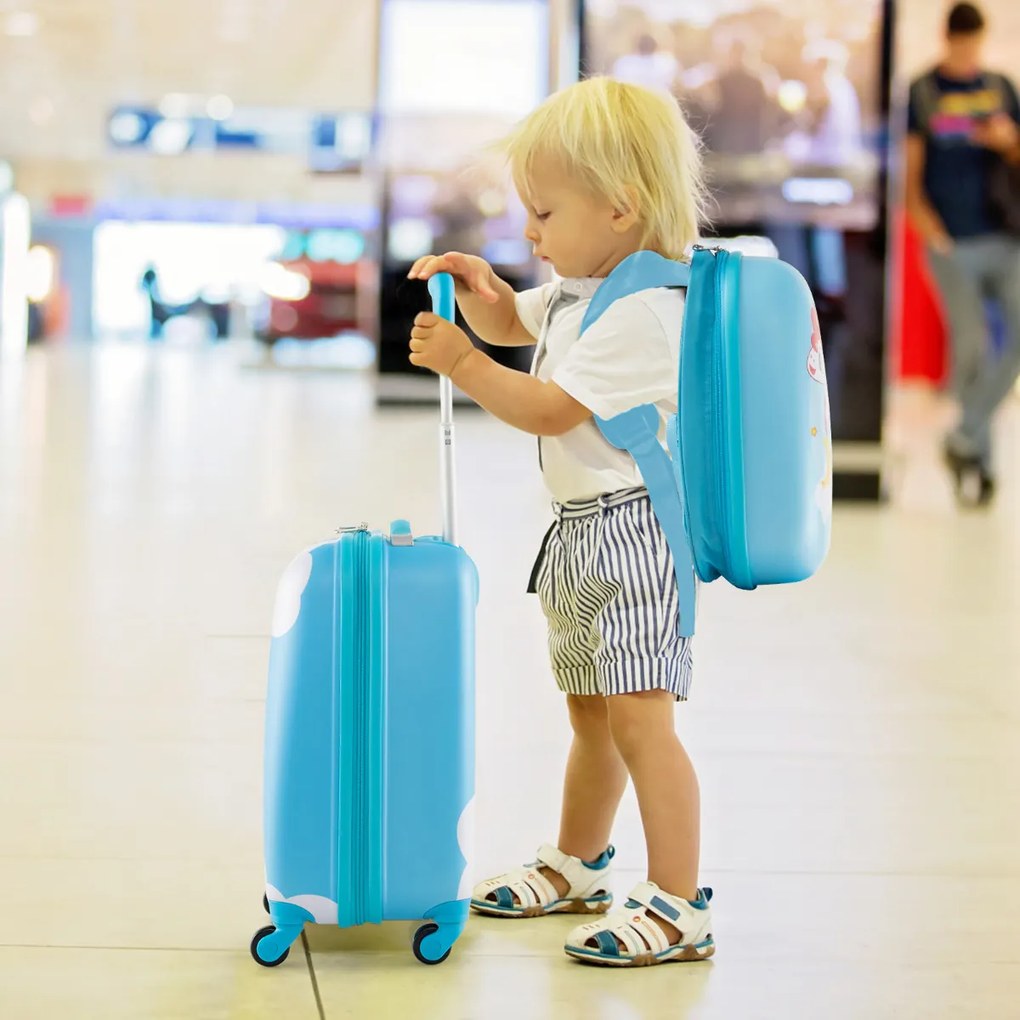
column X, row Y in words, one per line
column 792, row 95
column 220, row 107
column 409, row 239
column 170, row 137
column 21, row 24
column 40, row 273
column 284, row 284
column 41, row 111
column 126, row 128
column 491, row 203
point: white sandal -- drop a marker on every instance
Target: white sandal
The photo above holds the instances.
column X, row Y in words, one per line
column 526, row 892
column 644, row 942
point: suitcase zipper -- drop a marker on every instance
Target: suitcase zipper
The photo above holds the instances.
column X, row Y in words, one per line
column 362, row 678
column 359, row 829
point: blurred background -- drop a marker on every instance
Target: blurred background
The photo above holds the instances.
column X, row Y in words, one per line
column 223, row 171
column 218, row 170
column 207, row 212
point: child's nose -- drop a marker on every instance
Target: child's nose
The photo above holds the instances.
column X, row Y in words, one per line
column 531, row 234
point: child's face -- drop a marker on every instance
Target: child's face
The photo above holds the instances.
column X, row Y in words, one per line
column 579, row 233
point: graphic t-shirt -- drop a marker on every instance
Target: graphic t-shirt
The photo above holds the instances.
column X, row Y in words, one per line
column 957, row 171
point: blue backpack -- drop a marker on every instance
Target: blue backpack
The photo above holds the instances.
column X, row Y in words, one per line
column 745, row 490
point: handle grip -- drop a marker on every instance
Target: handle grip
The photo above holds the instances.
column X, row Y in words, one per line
column 443, row 301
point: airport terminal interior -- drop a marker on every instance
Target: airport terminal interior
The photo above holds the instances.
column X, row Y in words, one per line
column 207, row 215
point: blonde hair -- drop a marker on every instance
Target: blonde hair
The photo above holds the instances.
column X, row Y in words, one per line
column 625, row 143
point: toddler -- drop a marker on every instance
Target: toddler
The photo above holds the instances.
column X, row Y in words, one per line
column 604, row 169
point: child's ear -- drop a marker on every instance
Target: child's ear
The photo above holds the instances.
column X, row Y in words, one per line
column 626, row 214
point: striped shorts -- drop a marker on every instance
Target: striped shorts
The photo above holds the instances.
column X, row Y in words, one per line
column 605, row 579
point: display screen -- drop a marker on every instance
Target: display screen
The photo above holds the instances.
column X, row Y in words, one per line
column 454, row 212
column 786, row 97
column 331, row 142
column 790, row 99
column 463, row 56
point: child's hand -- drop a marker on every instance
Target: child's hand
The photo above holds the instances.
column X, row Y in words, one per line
column 468, row 271
column 438, row 344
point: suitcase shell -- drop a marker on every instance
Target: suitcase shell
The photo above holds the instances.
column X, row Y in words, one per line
column 369, row 743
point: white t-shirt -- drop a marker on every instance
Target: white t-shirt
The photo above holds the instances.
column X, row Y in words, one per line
column 628, row 358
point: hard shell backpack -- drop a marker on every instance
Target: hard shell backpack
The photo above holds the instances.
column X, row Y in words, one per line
column 745, row 489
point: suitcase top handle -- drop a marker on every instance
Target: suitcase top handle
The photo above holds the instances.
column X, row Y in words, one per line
column 444, row 305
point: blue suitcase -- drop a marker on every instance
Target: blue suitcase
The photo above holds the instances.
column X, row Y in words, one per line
column 369, row 742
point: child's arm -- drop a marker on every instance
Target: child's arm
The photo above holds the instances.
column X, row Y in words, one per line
column 486, row 301
column 521, row 400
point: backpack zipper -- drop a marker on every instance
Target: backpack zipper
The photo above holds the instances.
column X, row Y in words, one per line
column 720, row 469
column 730, row 426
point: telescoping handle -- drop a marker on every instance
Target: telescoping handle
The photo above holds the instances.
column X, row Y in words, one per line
column 444, row 305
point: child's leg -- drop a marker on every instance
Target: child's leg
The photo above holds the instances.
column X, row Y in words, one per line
column 595, row 780
column 643, row 729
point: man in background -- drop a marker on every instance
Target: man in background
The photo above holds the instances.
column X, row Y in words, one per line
column 744, row 120
column 963, row 144
column 648, row 66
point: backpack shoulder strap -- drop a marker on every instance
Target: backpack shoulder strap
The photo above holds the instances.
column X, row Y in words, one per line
column 641, row 271
column 637, row 430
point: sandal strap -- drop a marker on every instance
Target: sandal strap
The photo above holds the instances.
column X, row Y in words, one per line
column 582, row 879
column 631, row 940
column 631, row 926
column 654, row 936
column 531, row 888
column 635, row 927
column 652, row 899
column 554, row 858
column 541, row 889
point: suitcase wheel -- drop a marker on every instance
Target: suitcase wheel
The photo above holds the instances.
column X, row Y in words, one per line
column 264, row 954
column 421, row 952
column 265, row 902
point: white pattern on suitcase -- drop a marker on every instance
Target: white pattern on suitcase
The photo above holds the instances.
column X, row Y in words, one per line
column 288, row 594
column 324, row 911
column 466, row 842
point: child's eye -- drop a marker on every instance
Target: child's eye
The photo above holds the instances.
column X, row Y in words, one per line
column 541, row 216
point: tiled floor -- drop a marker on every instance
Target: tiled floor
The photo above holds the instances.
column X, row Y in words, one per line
column 858, row 737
